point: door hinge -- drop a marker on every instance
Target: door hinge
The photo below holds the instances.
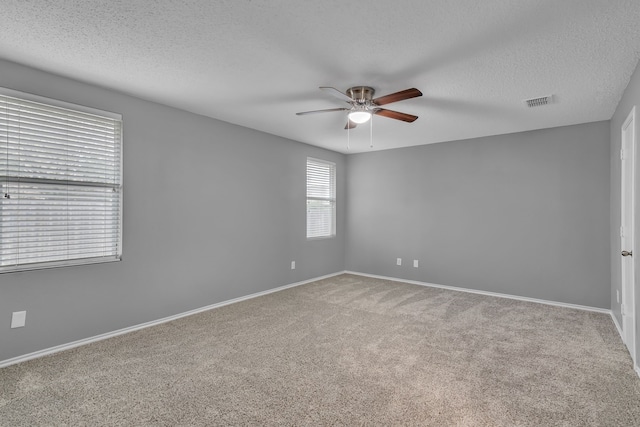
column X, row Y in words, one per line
column 622, row 154
column 621, row 231
column 622, row 313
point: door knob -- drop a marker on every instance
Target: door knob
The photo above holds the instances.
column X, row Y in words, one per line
column 627, row 253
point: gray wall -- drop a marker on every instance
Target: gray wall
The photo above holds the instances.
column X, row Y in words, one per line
column 523, row 214
column 630, row 98
column 212, row 211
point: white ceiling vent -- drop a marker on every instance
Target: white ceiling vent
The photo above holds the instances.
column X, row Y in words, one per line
column 539, row 102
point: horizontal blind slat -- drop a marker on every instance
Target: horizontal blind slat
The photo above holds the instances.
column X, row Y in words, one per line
column 35, row 108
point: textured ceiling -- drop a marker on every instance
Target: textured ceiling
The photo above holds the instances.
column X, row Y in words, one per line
column 258, row 62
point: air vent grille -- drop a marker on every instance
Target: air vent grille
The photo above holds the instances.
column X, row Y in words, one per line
column 538, row 102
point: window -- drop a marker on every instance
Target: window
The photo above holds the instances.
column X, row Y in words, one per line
column 60, row 183
column 321, row 198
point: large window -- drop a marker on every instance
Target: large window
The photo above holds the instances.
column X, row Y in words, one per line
column 60, row 183
column 321, row 198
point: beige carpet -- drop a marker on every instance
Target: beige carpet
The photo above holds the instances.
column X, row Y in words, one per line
column 342, row 351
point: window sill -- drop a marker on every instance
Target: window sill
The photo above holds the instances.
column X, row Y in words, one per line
column 322, row 237
column 58, row 264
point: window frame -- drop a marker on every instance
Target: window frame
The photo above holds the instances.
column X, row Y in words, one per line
column 331, row 200
column 120, row 187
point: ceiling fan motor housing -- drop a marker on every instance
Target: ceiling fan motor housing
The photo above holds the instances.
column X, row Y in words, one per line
column 361, row 94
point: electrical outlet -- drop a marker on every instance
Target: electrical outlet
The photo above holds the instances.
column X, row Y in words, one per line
column 293, row 265
column 18, row 319
column 399, row 261
column 618, row 296
column 415, row 263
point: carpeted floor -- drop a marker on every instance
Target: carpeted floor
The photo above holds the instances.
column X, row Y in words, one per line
column 349, row 351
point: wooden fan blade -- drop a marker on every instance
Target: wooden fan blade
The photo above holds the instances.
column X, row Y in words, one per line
column 321, row 111
column 350, row 124
column 395, row 115
column 398, row 96
column 335, row 92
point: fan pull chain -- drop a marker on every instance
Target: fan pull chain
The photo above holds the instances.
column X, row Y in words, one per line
column 348, row 134
column 371, row 132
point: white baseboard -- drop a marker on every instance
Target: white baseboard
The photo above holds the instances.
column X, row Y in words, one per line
column 615, row 322
column 636, row 368
column 78, row 343
column 487, row 293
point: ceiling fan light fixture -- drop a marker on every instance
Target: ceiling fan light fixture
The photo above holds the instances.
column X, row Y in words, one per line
column 359, row 116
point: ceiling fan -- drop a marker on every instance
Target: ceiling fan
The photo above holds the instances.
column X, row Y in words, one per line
column 362, row 104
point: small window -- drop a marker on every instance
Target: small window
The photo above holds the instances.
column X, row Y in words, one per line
column 321, row 198
column 60, row 183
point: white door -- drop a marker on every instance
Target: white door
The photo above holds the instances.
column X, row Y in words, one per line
column 627, row 156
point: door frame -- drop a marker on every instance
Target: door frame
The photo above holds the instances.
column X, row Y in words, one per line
column 628, row 178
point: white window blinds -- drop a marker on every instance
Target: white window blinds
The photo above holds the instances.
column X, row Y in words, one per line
column 321, row 198
column 60, row 180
